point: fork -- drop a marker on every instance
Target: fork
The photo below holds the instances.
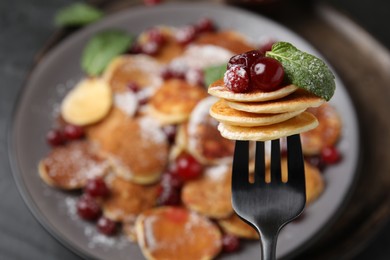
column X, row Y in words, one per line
column 268, row 206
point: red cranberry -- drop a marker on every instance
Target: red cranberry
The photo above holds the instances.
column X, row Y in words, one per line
column 150, row 48
column 245, row 59
column 237, row 79
column 169, row 196
column 152, row 2
column 73, row 132
column 171, row 180
column 316, row 161
column 266, row 74
column 136, row 49
column 195, row 76
column 330, row 155
column 172, row 73
column 106, row 226
column 97, row 188
column 155, row 35
column 187, row 167
column 88, row 208
column 185, row 35
column 170, row 132
column 133, row 86
column 230, row 243
column 55, row 137
column 205, row 25
column 266, row 46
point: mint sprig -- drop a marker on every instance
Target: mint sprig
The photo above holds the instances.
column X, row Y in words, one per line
column 304, row 70
column 77, row 14
column 102, row 48
column 213, row 73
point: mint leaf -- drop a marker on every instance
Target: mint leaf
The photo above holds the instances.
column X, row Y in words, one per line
column 304, row 70
column 77, row 14
column 102, row 48
column 213, row 73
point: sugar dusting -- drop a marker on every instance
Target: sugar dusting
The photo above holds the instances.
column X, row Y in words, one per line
column 127, row 102
column 217, row 172
column 150, row 130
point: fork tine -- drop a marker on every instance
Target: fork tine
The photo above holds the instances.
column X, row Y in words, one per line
column 295, row 162
column 240, row 174
column 276, row 170
column 260, row 163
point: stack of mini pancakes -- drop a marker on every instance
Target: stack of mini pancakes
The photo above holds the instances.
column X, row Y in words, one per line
column 262, row 116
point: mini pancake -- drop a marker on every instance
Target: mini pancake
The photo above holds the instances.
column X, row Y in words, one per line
column 218, row 89
column 236, row 226
column 141, row 69
column 177, row 233
column 227, row 115
column 326, row 134
column 127, row 199
column 315, row 184
column 174, row 101
column 229, row 40
column 210, row 195
column 137, row 147
column 301, row 123
column 298, row 100
column 202, row 138
column 70, row 166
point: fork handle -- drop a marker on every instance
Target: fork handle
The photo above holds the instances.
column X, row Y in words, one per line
column 269, row 239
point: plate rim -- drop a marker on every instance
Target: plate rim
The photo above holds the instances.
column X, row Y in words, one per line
column 14, row 161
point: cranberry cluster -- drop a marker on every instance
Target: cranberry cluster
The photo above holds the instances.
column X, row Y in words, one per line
column 328, row 156
column 89, row 209
column 59, row 136
column 252, row 70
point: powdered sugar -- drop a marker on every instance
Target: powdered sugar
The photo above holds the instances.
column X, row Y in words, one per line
column 127, row 102
column 217, row 172
column 150, row 129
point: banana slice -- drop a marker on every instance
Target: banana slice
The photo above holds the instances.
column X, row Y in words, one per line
column 87, row 103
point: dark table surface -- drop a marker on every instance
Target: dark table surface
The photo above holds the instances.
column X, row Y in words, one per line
column 25, row 25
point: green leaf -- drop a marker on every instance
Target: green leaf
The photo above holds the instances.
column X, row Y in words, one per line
column 77, row 14
column 102, row 48
column 213, row 73
column 304, row 70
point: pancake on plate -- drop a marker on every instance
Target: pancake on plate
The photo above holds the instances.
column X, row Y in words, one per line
column 210, row 195
column 177, row 233
column 70, row 166
column 298, row 100
column 236, row 226
column 301, row 123
column 174, row 100
column 229, row 116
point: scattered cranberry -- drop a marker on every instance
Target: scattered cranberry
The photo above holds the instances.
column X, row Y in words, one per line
column 133, row 86
column 88, row 208
column 195, row 76
column 152, row 2
column 136, row 49
column 97, row 188
column 266, row 74
column 55, row 137
column 73, row 132
column 150, row 48
column 169, row 196
column 185, row 35
column 266, row 46
column 205, row 25
column 155, row 35
column 230, row 243
column 237, row 79
column 170, row 180
column 106, row 226
column 172, row 73
column 187, row 167
column 142, row 100
column 330, row 155
column 316, row 161
column 170, row 132
column 245, row 59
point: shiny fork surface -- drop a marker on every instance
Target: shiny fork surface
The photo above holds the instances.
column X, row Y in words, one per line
column 268, row 206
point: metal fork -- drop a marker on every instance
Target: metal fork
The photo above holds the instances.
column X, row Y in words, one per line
column 268, row 207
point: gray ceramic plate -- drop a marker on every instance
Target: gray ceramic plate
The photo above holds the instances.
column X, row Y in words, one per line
column 60, row 69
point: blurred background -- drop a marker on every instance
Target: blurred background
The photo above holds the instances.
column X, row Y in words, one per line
column 25, row 27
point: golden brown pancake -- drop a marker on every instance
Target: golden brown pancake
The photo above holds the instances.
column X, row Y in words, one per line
column 229, row 40
column 301, row 123
column 202, row 138
column 227, row 115
column 137, row 146
column 141, row 69
column 236, row 226
column 210, row 195
column 174, row 101
column 326, row 134
column 218, row 89
column 315, row 184
column 127, row 199
column 177, row 233
column 70, row 166
column 298, row 100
